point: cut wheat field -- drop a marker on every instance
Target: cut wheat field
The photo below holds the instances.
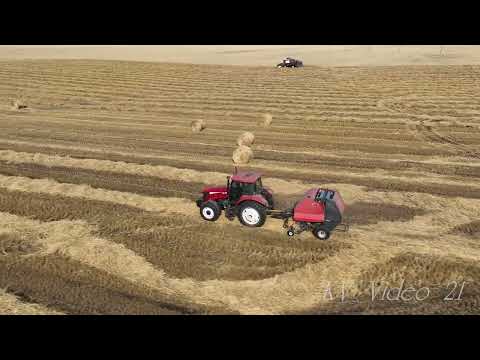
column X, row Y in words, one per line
column 99, row 171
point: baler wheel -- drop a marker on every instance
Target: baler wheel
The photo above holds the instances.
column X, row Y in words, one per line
column 320, row 233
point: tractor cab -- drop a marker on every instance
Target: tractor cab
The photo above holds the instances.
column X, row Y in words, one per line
column 243, row 184
column 246, row 184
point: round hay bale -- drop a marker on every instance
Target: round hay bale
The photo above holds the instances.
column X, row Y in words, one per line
column 246, row 139
column 198, row 125
column 242, row 155
column 19, row 104
column 267, row 120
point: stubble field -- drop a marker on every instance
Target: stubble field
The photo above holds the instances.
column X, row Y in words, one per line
column 99, row 172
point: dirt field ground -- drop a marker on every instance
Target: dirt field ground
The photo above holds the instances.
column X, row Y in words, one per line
column 99, row 171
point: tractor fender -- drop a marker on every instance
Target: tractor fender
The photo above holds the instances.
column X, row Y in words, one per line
column 257, row 198
column 270, row 191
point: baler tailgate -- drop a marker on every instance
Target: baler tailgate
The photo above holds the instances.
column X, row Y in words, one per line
column 339, row 202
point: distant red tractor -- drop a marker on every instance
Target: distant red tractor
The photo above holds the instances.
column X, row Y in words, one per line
column 245, row 197
column 288, row 62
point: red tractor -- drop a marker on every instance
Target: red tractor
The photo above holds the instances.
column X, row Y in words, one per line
column 244, row 196
column 320, row 211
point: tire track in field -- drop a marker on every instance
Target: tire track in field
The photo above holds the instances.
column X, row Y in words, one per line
column 428, row 132
column 433, row 136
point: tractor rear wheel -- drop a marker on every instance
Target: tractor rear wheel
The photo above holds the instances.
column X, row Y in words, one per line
column 210, row 211
column 252, row 214
column 320, row 233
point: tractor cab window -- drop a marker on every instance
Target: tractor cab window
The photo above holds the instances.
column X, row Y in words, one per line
column 238, row 189
column 248, row 189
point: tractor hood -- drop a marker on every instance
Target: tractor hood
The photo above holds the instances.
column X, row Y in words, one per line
column 215, row 189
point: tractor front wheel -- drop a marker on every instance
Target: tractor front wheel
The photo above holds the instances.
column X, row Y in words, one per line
column 252, row 214
column 210, row 211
